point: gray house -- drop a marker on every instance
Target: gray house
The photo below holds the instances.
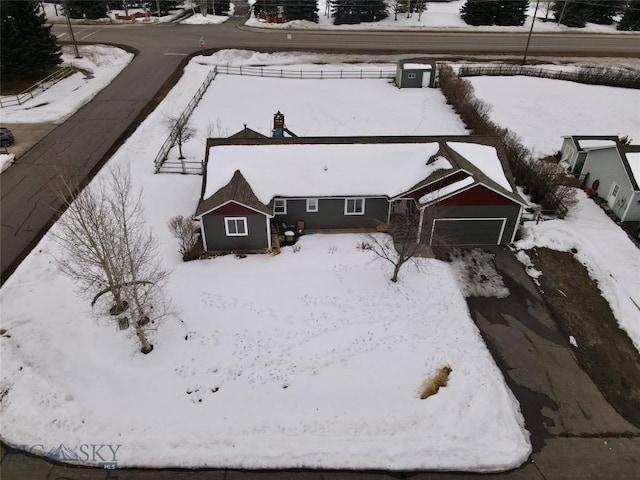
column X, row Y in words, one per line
column 613, row 173
column 416, row 73
column 574, row 149
column 255, row 190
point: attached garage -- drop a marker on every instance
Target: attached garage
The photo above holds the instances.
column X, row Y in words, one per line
column 467, row 231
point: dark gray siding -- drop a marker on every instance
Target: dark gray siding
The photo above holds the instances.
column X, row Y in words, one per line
column 217, row 239
column 471, row 233
column 331, row 215
column 580, row 162
column 407, row 82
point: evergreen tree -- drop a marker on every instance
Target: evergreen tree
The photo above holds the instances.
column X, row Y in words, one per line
column 512, row 12
column 631, row 18
column 270, row 7
column 27, row 46
column 373, row 10
column 573, row 13
column 219, row 7
column 479, row 12
column 301, row 10
column 91, row 9
column 603, row 12
column 346, row 12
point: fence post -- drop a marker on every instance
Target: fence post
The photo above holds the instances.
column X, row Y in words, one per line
column 280, row 73
column 261, row 74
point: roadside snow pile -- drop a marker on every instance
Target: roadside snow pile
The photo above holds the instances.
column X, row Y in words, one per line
column 199, row 19
column 604, row 248
column 6, row 160
column 528, row 265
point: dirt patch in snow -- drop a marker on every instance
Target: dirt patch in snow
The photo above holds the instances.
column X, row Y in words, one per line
column 604, row 350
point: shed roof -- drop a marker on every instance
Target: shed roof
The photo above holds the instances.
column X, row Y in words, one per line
column 584, row 142
column 237, row 190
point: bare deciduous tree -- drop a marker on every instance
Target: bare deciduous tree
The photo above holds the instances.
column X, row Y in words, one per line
column 138, row 248
column 399, row 247
column 84, row 234
column 181, row 128
column 106, row 243
column 186, row 231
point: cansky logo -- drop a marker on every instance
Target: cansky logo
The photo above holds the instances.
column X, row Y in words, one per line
column 91, row 454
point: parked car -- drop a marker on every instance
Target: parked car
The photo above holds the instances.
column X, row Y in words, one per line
column 6, row 137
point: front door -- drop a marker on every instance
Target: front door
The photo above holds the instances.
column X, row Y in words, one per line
column 613, row 195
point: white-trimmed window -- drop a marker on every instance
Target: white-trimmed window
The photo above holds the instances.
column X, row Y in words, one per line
column 354, row 206
column 312, row 204
column 411, row 76
column 236, row 226
column 279, row 206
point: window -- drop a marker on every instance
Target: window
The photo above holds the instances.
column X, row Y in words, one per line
column 236, row 226
column 615, row 189
column 354, row 206
column 312, row 204
column 411, row 76
column 280, row 206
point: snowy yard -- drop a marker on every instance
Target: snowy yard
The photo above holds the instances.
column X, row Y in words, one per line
column 542, row 110
column 307, row 359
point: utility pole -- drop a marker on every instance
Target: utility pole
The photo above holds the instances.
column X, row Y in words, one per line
column 524, row 59
column 564, row 7
column 73, row 38
column 158, row 8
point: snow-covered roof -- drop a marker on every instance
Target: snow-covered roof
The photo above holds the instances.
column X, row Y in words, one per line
column 634, row 162
column 319, row 170
column 417, row 66
column 584, row 144
column 446, row 190
column 484, row 158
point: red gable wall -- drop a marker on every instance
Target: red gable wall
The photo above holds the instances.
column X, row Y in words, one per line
column 478, row 195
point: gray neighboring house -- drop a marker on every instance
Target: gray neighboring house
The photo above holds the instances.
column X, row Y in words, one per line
column 457, row 189
column 416, row 73
column 613, row 173
column 574, row 149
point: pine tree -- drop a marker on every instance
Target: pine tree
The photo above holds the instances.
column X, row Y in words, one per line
column 374, row 11
column 631, row 18
column 512, row 12
column 270, row 7
column 220, row 7
column 27, row 46
column 573, row 13
column 91, row 9
column 346, row 12
column 603, row 12
column 479, row 12
column 301, row 10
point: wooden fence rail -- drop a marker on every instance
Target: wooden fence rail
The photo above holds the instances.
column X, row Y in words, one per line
column 36, row 88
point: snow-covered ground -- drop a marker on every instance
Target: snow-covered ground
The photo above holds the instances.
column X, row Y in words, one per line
column 305, row 359
column 53, row 12
column 541, row 110
column 439, row 15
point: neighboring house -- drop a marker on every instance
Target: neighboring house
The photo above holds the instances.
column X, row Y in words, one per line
column 416, row 73
column 574, row 149
column 614, row 174
column 458, row 189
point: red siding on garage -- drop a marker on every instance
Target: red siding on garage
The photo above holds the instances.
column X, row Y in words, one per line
column 232, row 208
column 478, row 195
column 437, row 185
